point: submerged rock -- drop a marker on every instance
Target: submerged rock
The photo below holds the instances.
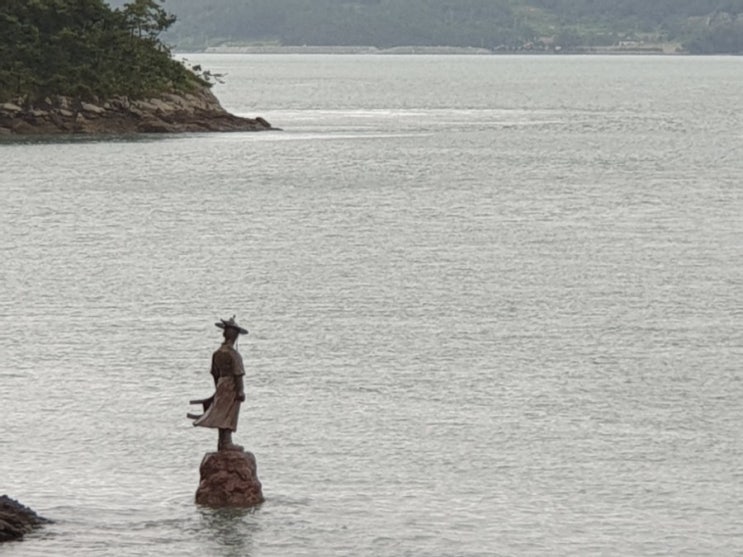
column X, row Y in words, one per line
column 16, row 519
column 229, row 479
column 198, row 111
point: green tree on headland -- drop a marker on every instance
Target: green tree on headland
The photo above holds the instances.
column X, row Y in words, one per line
column 85, row 49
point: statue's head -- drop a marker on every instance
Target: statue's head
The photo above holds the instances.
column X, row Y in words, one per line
column 231, row 329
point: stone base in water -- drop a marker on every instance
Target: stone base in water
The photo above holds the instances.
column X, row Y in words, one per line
column 16, row 519
column 229, row 479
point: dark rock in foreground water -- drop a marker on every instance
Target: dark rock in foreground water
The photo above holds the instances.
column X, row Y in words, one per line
column 199, row 111
column 16, row 519
column 229, row 479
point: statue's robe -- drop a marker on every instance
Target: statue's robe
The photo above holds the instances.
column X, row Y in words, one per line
column 222, row 413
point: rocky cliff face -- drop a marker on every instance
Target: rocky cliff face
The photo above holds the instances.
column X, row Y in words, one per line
column 229, row 479
column 199, row 111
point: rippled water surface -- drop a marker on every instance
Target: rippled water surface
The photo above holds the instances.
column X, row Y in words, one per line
column 495, row 308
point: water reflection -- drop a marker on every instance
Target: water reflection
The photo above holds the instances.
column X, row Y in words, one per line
column 231, row 530
column 54, row 139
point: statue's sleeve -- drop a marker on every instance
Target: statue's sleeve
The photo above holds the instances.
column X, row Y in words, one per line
column 215, row 369
column 237, row 365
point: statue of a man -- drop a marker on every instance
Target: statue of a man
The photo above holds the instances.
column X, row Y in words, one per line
column 222, row 410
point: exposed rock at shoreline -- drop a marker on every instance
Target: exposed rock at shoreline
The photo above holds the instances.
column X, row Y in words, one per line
column 16, row 520
column 199, row 111
column 229, row 479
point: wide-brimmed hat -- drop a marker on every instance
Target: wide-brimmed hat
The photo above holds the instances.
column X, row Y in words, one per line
column 231, row 324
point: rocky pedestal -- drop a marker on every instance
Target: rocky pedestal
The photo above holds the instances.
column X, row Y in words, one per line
column 229, row 479
column 16, row 520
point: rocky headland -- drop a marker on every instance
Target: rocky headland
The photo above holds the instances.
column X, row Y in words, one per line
column 17, row 520
column 197, row 111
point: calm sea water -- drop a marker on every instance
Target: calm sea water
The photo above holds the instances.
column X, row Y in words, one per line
column 496, row 308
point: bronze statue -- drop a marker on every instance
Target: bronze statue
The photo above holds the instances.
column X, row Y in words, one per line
column 221, row 410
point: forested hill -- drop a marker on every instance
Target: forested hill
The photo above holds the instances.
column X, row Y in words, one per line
column 696, row 26
column 86, row 49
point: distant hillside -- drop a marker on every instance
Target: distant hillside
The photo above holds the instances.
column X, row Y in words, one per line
column 695, row 26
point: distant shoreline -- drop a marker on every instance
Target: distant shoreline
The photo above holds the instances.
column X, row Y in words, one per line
column 650, row 49
column 270, row 49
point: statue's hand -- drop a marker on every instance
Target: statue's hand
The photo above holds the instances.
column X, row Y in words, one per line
column 241, row 397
